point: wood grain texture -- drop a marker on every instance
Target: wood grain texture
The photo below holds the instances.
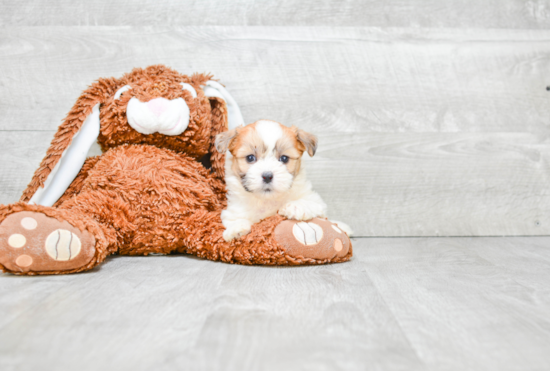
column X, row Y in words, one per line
column 456, row 306
column 400, row 304
column 424, row 132
column 439, row 184
column 323, row 79
column 433, row 120
column 532, row 14
column 389, row 184
column 20, row 156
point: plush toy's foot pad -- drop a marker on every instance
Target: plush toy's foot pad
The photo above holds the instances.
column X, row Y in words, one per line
column 316, row 239
column 33, row 242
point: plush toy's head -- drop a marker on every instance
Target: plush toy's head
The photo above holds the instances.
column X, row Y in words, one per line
column 156, row 106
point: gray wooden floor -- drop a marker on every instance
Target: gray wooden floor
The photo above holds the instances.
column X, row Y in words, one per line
column 400, row 304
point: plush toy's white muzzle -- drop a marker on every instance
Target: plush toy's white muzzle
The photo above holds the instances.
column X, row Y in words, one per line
column 168, row 117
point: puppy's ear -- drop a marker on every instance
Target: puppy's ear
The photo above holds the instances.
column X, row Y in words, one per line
column 308, row 140
column 223, row 140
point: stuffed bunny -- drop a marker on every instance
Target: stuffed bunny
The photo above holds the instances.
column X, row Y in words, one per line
column 157, row 188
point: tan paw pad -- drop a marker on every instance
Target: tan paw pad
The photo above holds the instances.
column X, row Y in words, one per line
column 29, row 223
column 307, row 233
column 23, row 261
column 63, row 245
column 338, row 246
column 17, row 240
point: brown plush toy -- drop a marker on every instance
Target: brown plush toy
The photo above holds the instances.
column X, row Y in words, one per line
column 149, row 192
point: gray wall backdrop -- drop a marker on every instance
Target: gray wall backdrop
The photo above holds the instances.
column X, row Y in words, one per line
column 433, row 115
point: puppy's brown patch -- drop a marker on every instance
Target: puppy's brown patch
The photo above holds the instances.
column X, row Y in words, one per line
column 245, row 141
column 289, row 145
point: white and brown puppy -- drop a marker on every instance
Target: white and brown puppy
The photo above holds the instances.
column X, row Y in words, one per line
column 264, row 175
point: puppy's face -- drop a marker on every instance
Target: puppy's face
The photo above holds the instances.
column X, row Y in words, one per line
column 266, row 155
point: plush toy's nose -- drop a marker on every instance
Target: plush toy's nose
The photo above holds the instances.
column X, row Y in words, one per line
column 158, row 106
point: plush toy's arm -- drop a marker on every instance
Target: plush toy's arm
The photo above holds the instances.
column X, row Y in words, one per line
column 226, row 115
column 50, row 178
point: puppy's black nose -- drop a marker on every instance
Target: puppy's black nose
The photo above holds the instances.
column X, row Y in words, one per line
column 267, row 176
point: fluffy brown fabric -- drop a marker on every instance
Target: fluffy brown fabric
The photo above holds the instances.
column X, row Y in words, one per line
column 149, row 193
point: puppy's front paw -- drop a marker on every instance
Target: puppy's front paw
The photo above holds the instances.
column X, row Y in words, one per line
column 298, row 210
column 237, row 229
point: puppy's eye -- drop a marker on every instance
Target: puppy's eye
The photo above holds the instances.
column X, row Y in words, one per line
column 250, row 159
column 284, row 159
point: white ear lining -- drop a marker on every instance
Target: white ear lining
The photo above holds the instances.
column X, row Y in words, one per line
column 74, row 156
column 215, row 89
column 122, row 90
column 190, row 88
column 70, row 163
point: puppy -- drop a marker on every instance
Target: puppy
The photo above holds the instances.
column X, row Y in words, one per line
column 264, row 175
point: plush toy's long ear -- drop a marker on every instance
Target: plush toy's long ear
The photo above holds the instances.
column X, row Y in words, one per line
column 234, row 115
column 226, row 115
column 69, row 146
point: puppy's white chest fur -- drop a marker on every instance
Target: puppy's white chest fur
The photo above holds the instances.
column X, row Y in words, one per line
column 261, row 209
column 244, row 209
column 255, row 207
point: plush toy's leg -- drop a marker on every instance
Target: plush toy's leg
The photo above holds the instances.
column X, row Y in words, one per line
column 43, row 240
column 273, row 241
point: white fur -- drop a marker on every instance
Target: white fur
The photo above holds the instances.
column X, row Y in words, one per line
column 173, row 119
column 189, row 88
column 343, row 226
column 72, row 159
column 234, row 115
column 122, row 90
column 292, row 197
column 270, row 132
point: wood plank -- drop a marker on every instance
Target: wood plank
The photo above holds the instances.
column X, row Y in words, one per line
column 180, row 310
column 440, row 184
column 391, row 13
column 459, row 310
column 20, row 155
column 400, row 304
column 125, row 312
column 323, row 79
column 527, row 264
column 389, row 184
